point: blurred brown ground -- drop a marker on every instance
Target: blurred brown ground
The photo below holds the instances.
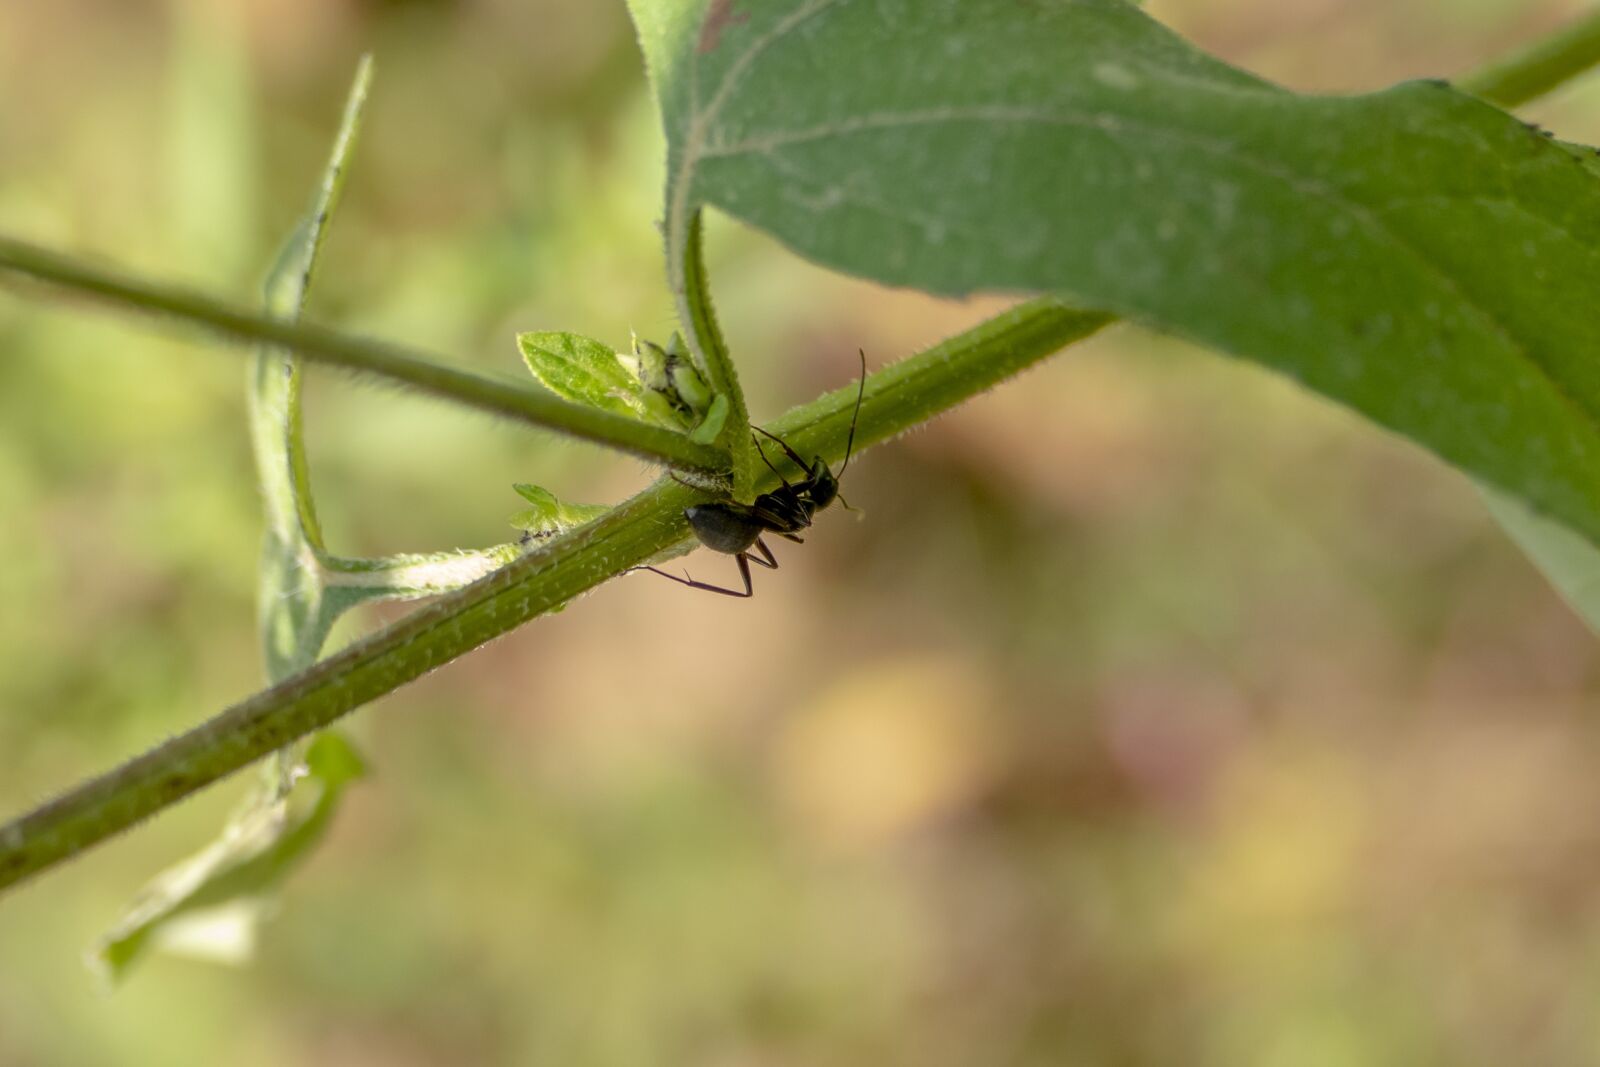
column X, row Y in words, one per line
column 1155, row 712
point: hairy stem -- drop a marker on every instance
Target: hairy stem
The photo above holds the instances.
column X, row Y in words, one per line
column 897, row 398
column 413, row 575
column 1542, row 66
column 706, row 341
column 317, row 344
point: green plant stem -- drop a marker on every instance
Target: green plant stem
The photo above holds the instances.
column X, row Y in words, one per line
column 413, row 575
column 394, row 363
column 1542, row 66
column 706, row 340
column 644, row 528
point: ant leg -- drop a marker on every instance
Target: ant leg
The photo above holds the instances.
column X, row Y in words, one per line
column 861, row 391
column 790, row 537
column 771, row 561
column 768, row 462
column 791, row 453
column 744, row 572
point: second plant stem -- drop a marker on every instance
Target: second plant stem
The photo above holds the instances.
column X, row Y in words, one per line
column 1542, row 66
column 316, row 344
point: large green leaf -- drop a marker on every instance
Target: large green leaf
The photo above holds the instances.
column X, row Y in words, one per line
column 1414, row 253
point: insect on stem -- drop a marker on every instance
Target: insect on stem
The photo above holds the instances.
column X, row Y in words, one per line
column 733, row 529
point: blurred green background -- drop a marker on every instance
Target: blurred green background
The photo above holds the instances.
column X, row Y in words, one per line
column 1156, row 712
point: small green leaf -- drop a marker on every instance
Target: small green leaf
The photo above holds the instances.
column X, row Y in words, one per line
column 541, row 498
column 712, row 424
column 209, row 904
column 582, row 370
column 549, row 516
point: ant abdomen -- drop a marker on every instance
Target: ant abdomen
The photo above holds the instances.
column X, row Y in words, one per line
column 722, row 528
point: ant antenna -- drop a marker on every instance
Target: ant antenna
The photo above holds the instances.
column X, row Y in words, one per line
column 850, row 442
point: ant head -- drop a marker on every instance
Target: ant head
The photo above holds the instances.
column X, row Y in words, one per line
column 824, row 487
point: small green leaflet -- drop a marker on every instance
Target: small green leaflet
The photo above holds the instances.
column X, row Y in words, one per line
column 583, row 371
column 549, row 516
column 658, row 385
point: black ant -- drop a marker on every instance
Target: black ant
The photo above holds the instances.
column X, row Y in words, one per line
column 733, row 528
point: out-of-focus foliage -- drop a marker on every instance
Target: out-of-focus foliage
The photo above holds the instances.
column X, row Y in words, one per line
column 1153, row 713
